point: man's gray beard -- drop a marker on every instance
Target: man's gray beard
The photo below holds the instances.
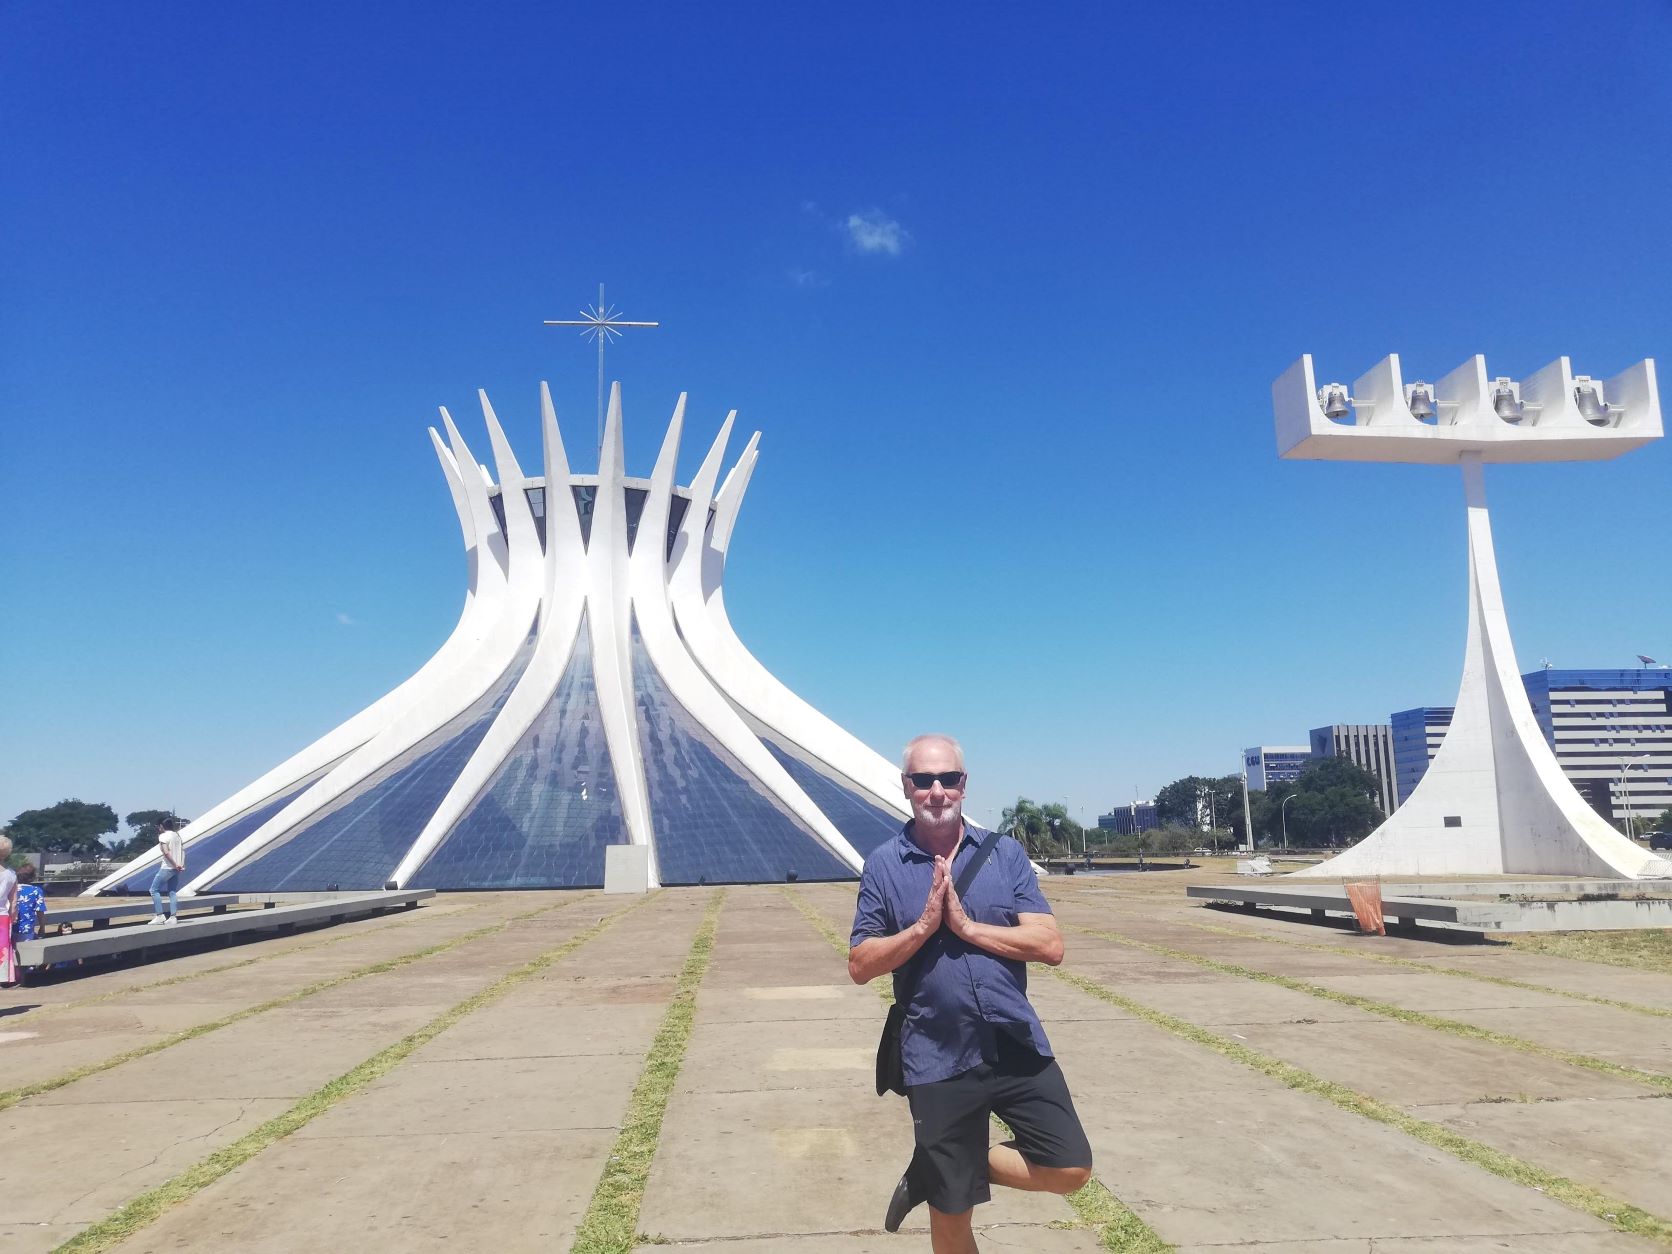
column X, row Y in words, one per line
column 953, row 819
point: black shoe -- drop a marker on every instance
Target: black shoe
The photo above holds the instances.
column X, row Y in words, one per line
column 907, row 1195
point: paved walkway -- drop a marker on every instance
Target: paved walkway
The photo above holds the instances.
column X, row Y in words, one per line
column 492, row 1133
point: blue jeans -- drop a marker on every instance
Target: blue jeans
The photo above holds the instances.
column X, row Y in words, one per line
column 166, row 880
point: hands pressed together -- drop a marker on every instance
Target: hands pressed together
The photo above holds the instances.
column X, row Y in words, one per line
column 943, row 906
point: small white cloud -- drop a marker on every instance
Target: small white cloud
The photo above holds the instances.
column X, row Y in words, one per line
column 346, row 620
column 807, row 278
column 875, row 232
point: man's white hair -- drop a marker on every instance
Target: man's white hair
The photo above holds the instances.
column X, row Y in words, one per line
column 938, row 737
column 5, row 847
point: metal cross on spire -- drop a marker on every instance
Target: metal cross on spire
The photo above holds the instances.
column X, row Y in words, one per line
column 599, row 322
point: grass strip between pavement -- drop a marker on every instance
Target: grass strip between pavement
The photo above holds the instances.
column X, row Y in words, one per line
column 1582, row 1197
column 612, row 1216
column 1416, row 964
column 11, row 1097
column 1418, row 1018
column 408, row 918
column 148, row 1207
column 1117, row 1225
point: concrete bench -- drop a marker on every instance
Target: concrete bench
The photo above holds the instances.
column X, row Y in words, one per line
column 1512, row 905
column 142, row 939
column 101, row 915
column 1322, row 899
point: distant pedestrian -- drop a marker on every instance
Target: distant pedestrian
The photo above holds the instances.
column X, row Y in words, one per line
column 956, row 914
column 167, row 878
column 30, row 908
column 31, row 905
column 8, row 912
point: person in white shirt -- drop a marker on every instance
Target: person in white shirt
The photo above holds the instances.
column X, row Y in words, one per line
column 167, row 878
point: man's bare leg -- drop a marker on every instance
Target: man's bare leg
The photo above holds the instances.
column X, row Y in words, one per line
column 1006, row 1166
column 951, row 1234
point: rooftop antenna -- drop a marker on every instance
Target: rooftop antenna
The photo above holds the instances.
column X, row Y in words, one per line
column 599, row 322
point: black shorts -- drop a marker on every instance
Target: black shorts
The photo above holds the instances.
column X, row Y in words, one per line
column 1022, row 1088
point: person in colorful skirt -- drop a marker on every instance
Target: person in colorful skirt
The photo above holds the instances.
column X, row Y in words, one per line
column 8, row 907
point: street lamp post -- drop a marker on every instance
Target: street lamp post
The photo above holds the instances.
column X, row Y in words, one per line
column 1283, row 813
column 1625, row 797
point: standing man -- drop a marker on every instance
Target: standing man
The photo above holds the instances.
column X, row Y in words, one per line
column 167, row 878
column 971, row 1044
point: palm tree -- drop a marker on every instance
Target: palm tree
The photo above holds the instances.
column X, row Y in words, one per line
column 1028, row 824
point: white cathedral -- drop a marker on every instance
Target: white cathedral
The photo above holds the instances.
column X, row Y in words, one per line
column 593, row 694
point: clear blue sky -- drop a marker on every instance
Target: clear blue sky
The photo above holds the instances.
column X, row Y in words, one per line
column 1004, row 289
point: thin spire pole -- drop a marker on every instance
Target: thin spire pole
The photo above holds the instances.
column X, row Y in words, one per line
column 600, row 322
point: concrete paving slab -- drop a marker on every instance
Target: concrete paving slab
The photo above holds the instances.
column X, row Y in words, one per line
column 1108, row 963
column 1618, row 1146
column 1440, row 994
column 440, row 1191
column 52, row 1047
column 752, row 1164
column 763, row 972
column 1227, row 999
column 1408, row 1065
column 571, row 989
column 74, row 1163
column 1536, row 1243
column 35, row 1238
column 1595, row 979
column 1617, row 1035
column 1052, row 1001
column 1127, row 1056
column 788, row 1054
column 792, row 1003
column 1019, row 1237
column 1361, row 1178
column 239, row 1061
column 487, row 1095
column 548, row 1029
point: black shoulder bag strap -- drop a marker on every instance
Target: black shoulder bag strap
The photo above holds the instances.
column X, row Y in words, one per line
column 891, row 1072
column 983, row 851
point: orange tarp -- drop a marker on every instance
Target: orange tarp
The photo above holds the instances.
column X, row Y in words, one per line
column 1367, row 905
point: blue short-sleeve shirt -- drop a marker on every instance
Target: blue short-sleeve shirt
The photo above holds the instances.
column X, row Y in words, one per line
column 957, row 996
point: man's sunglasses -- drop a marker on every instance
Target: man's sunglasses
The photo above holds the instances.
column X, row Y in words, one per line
column 925, row 780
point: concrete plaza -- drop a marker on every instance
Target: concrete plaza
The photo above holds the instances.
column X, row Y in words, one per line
column 492, row 1132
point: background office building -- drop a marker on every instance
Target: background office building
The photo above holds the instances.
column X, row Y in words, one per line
column 1370, row 745
column 1274, row 764
column 1611, row 732
column 1129, row 820
column 1416, row 739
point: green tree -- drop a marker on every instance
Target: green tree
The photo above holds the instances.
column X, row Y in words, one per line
column 1335, row 803
column 1181, row 803
column 1662, row 824
column 71, row 826
column 1044, row 830
column 1203, row 803
column 146, row 825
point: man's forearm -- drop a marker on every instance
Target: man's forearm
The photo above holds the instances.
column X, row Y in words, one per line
column 1025, row 942
column 878, row 955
